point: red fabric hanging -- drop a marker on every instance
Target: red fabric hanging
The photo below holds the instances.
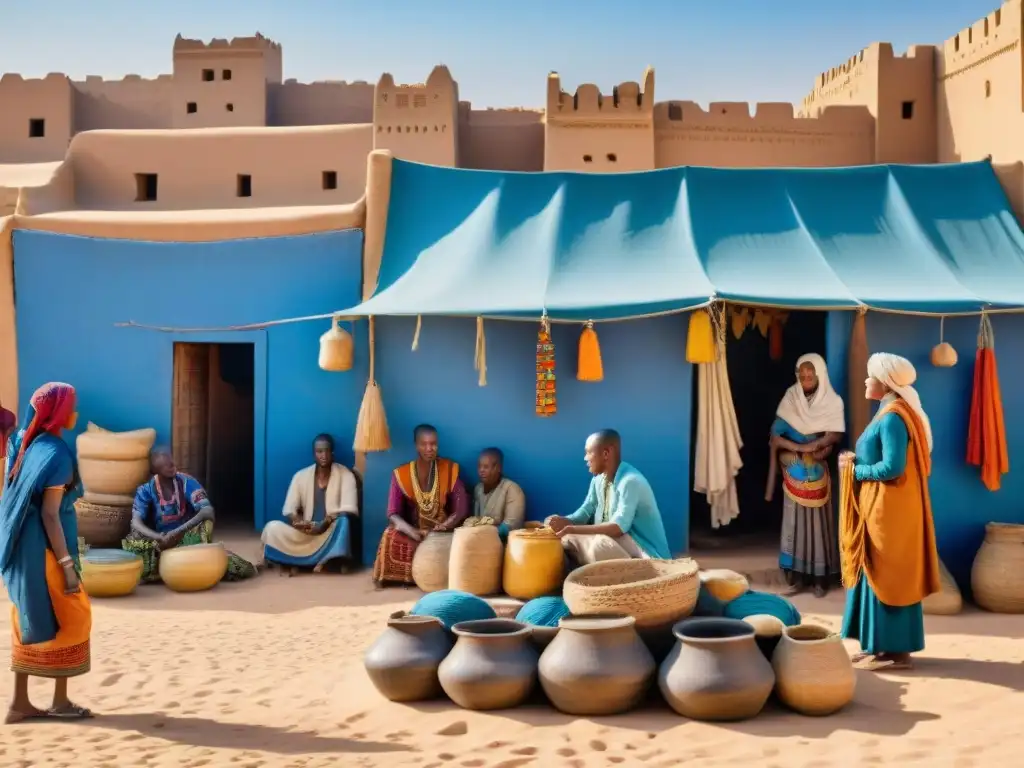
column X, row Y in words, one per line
column 986, row 433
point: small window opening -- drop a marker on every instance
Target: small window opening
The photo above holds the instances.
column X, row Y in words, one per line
column 908, row 110
column 244, row 186
column 329, row 179
column 145, row 187
column 191, row 108
column 207, row 75
column 999, row 17
column 612, row 157
column 36, row 128
column 986, row 27
column 225, row 75
column 956, row 43
column 588, row 159
column 229, row 107
column 988, row 88
column 970, row 35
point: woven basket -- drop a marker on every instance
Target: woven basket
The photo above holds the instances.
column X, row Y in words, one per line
column 813, row 672
column 99, row 443
column 534, row 563
column 430, row 563
column 103, row 525
column 654, row 592
column 120, row 477
column 475, row 562
column 724, row 585
column 947, row 601
column 997, row 577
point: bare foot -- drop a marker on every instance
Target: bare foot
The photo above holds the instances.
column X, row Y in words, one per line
column 18, row 715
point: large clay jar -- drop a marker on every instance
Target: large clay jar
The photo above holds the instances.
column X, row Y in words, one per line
column 997, row 577
column 113, row 477
column 475, row 562
column 534, row 563
column 814, row 673
column 492, row 666
column 716, row 671
column 103, row 525
column 596, row 666
column 430, row 563
column 402, row 663
column 193, row 568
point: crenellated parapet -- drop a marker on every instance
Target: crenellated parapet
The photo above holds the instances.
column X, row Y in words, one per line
column 627, row 101
column 256, row 43
column 994, row 36
column 418, row 121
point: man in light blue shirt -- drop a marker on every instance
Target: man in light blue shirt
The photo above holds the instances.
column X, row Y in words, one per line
column 619, row 518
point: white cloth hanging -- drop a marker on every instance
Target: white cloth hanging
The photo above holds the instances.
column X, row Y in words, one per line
column 717, row 457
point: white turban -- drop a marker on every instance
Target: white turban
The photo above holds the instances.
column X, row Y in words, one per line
column 898, row 374
column 822, row 412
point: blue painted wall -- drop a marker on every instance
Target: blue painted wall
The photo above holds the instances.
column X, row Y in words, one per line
column 961, row 504
column 72, row 290
column 645, row 395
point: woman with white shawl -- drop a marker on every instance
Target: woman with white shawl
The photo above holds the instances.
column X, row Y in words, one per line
column 809, row 421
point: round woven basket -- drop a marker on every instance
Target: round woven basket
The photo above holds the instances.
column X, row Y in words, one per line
column 98, row 443
column 119, row 477
column 947, row 601
column 654, row 592
column 475, row 562
column 997, row 577
column 813, row 672
column 103, row 525
column 430, row 563
column 534, row 563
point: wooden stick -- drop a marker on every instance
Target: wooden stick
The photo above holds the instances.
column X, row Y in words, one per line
column 773, row 468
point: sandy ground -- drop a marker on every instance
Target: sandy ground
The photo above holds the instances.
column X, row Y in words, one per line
column 268, row 673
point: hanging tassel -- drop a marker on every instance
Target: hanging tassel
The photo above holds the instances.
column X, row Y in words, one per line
column 371, row 434
column 700, row 338
column 480, row 361
column 546, row 397
column 589, row 366
column 416, row 333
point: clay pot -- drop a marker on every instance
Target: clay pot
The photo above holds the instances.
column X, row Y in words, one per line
column 492, row 666
column 767, row 632
column 814, row 672
column 716, row 671
column 193, row 568
column 596, row 666
column 402, row 663
column 110, row 572
column 534, row 563
column 430, row 562
column 542, row 636
column 997, row 577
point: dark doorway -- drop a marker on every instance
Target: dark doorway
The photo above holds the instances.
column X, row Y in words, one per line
column 213, row 425
column 757, row 384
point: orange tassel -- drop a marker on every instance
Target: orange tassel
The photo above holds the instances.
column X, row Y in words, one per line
column 589, row 366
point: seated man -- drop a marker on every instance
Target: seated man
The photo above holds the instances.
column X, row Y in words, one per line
column 497, row 497
column 619, row 518
column 173, row 510
column 425, row 495
column 321, row 508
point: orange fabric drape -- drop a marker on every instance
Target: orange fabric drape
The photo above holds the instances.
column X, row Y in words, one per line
column 986, row 434
column 886, row 529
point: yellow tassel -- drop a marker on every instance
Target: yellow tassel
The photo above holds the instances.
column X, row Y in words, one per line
column 480, row 360
column 372, row 424
column 589, row 366
column 416, row 333
column 700, row 338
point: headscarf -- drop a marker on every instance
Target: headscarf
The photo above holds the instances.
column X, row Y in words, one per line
column 49, row 410
column 898, row 374
column 821, row 412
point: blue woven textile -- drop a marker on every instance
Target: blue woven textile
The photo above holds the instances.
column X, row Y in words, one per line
column 755, row 603
column 543, row 611
column 452, row 606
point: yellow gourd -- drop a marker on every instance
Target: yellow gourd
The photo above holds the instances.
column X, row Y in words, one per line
column 700, row 338
column 534, row 563
column 336, row 349
column 943, row 355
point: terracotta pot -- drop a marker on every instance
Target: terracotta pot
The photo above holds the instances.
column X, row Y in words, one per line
column 110, row 572
column 492, row 666
column 716, row 671
column 814, row 672
column 430, row 562
column 193, row 568
column 596, row 666
column 402, row 663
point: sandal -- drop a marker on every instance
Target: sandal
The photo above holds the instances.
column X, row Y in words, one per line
column 889, row 665
column 69, row 711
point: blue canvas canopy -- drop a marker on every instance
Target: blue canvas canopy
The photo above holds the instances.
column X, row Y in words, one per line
column 929, row 239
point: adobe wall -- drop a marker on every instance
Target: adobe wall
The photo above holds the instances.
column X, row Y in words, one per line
column 728, row 136
column 130, row 103
column 501, row 139
column 593, row 132
column 36, row 118
column 200, row 169
column 979, row 90
column 418, row 122
column 321, row 103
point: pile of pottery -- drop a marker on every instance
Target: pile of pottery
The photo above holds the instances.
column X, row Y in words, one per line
column 473, row 559
column 598, row 665
column 112, row 465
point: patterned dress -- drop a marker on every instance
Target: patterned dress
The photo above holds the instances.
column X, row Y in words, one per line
column 165, row 514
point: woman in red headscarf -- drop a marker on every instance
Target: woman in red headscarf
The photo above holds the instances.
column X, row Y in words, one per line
column 51, row 618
